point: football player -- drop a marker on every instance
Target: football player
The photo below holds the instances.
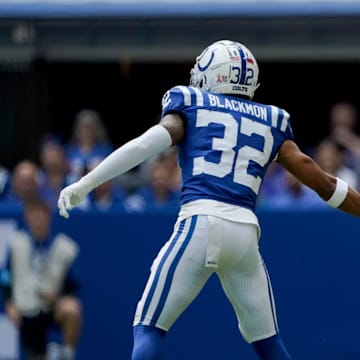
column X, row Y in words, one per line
column 226, row 142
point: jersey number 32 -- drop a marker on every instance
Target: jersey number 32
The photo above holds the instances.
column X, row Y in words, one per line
column 226, row 144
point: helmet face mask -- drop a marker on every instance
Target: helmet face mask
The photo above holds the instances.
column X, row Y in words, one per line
column 226, row 67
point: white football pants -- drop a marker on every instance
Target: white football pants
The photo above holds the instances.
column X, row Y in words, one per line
column 199, row 246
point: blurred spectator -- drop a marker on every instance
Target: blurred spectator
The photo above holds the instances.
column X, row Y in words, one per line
column 293, row 196
column 330, row 157
column 25, row 185
column 107, row 197
column 40, row 286
column 171, row 157
column 53, row 175
column 89, row 144
column 343, row 124
column 134, row 179
column 159, row 194
column 272, row 185
column 4, row 182
column 139, row 177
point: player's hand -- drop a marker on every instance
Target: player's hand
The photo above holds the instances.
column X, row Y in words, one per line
column 70, row 197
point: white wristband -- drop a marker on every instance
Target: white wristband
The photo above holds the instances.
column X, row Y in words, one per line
column 339, row 194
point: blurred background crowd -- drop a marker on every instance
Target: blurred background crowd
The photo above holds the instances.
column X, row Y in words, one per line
column 152, row 186
column 155, row 185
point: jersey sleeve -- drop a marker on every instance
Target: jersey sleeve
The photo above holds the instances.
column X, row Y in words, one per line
column 282, row 130
column 288, row 132
column 174, row 100
column 280, row 120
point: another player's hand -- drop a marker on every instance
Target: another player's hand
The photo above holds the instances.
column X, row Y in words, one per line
column 70, row 197
column 13, row 313
column 49, row 297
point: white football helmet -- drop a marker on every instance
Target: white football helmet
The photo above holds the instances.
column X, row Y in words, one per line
column 226, row 67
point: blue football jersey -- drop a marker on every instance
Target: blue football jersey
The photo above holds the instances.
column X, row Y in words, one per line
column 228, row 144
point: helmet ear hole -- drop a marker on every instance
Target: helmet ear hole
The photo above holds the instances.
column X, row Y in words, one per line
column 201, row 83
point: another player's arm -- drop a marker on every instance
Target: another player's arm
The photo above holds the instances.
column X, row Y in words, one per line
column 309, row 173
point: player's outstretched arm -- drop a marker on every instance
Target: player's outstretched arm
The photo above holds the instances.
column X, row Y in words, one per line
column 155, row 140
column 331, row 189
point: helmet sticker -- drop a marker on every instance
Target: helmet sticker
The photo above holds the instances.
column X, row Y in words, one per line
column 205, row 60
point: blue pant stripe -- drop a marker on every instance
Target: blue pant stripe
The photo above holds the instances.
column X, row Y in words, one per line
column 172, row 269
column 159, row 268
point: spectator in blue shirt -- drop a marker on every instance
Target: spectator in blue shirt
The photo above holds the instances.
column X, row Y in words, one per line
column 159, row 194
column 292, row 196
column 89, row 144
column 107, row 197
column 54, row 169
column 25, row 186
